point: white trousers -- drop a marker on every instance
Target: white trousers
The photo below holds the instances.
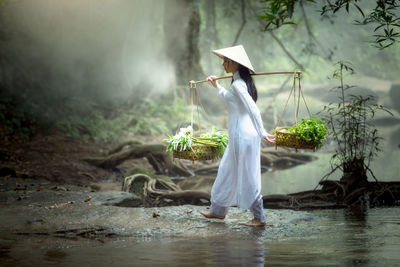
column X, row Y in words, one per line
column 257, row 208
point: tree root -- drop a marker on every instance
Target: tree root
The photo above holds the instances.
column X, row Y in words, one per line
column 156, row 192
column 370, row 194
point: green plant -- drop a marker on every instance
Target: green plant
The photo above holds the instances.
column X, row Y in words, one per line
column 109, row 123
column 181, row 141
column 357, row 141
column 312, row 130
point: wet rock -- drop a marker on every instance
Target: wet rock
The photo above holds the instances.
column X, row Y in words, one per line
column 115, row 198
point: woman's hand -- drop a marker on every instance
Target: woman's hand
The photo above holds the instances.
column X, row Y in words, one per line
column 213, row 80
column 270, row 139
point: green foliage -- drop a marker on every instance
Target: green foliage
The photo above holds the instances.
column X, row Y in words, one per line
column 312, row 130
column 147, row 117
column 91, row 122
column 151, row 117
column 277, row 13
column 79, row 118
column 185, row 139
column 144, row 117
column 218, row 137
column 357, row 140
column 181, row 141
column 384, row 17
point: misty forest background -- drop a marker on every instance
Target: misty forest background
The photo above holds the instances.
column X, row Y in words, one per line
column 107, row 71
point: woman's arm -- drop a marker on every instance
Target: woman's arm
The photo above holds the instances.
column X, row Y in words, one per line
column 221, row 91
column 240, row 89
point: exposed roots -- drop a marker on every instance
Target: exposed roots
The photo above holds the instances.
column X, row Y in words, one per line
column 334, row 195
column 156, row 192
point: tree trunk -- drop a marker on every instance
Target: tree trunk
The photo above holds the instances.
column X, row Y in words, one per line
column 354, row 175
column 211, row 38
column 182, row 31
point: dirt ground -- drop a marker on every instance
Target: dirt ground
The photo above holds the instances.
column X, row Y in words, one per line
column 57, row 159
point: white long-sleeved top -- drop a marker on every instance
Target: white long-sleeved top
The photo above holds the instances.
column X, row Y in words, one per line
column 238, row 181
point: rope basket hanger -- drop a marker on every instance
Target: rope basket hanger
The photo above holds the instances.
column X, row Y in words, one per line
column 197, row 151
column 204, row 152
column 293, row 140
column 193, row 93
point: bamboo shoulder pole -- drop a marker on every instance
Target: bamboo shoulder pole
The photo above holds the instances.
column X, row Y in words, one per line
column 254, row 74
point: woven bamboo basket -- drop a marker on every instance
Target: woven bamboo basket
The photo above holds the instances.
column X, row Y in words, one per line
column 198, row 152
column 292, row 140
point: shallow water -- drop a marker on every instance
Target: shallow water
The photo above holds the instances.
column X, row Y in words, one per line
column 331, row 237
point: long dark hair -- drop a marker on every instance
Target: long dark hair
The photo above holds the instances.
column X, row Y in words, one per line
column 251, row 87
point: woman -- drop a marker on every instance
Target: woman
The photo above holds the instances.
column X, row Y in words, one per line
column 238, row 181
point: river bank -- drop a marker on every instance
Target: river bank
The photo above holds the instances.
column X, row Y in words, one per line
column 70, row 225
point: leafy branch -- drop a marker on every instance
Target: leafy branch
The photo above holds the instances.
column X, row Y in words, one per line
column 384, row 17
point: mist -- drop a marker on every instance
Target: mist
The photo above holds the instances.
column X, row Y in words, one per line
column 94, row 49
column 101, row 51
column 117, row 48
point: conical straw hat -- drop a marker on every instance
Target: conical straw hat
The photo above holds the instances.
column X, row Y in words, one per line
column 237, row 54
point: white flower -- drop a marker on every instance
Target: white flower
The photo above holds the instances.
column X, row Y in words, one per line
column 186, row 131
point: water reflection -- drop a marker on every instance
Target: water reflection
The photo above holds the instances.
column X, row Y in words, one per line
column 355, row 236
column 238, row 253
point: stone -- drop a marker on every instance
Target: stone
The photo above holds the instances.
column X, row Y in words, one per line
column 116, row 198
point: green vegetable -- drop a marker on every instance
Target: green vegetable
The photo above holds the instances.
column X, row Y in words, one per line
column 184, row 141
column 219, row 138
column 312, row 130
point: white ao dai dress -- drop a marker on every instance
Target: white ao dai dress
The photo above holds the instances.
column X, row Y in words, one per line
column 238, row 182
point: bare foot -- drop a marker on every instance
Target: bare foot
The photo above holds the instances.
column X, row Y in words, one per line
column 254, row 223
column 211, row 215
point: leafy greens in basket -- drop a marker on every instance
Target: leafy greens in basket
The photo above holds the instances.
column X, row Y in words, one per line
column 312, row 130
column 185, row 139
